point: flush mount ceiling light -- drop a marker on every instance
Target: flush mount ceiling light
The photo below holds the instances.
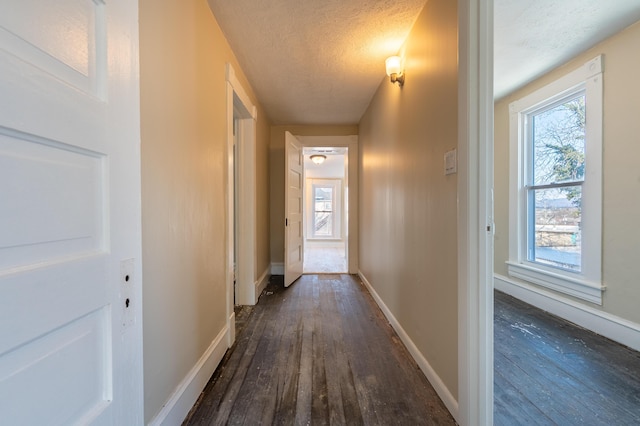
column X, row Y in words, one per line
column 394, row 69
column 318, row 158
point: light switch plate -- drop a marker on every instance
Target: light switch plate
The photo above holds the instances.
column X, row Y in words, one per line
column 450, row 162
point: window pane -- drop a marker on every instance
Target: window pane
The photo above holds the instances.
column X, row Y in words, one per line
column 323, row 197
column 323, row 224
column 555, row 238
column 323, row 211
column 558, row 142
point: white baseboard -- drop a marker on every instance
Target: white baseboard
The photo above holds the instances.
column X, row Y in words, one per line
column 262, row 283
column 231, row 335
column 603, row 323
column 437, row 383
column 188, row 391
column 277, row 268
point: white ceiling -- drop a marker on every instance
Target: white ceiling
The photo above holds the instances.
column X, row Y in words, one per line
column 320, row 62
column 333, row 166
column 532, row 37
column 315, row 62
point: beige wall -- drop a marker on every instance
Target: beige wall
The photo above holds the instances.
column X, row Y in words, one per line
column 183, row 116
column 276, row 164
column 408, row 216
column 621, row 167
column 263, row 207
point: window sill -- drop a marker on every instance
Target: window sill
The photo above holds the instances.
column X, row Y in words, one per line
column 576, row 287
column 324, row 239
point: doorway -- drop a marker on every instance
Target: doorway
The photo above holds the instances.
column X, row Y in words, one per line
column 324, row 209
column 240, row 200
column 346, row 145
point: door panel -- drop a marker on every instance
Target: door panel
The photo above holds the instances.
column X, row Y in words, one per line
column 70, row 333
column 68, row 42
column 73, row 358
column 294, row 238
column 58, row 191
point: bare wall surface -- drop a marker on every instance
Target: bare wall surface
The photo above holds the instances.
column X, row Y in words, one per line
column 277, row 165
column 621, row 170
column 263, row 208
column 408, row 209
column 183, row 55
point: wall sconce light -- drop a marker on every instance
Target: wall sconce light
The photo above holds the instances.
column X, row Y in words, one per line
column 318, row 158
column 394, row 69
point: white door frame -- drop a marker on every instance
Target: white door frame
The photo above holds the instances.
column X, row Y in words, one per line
column 475, row 213
column 240, row 110
column 350, row 142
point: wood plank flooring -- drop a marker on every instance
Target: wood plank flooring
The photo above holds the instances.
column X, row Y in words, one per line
column 320, row 352
column 551, row 372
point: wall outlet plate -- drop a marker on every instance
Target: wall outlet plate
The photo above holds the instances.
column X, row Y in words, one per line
column 450, row 162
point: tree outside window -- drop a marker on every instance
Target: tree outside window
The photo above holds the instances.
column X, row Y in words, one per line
column 555, row 183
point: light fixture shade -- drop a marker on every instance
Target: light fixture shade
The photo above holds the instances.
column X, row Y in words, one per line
column 318, row 158
column 395, row 70
column 394, row 65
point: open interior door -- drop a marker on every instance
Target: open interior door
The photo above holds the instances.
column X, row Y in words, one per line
column 70, row 271
column 294, row 238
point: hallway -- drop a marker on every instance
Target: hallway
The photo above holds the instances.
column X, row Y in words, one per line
column 318, row 352
column 194, row 92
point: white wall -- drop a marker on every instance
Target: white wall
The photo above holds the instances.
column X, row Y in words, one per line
column 333, row 167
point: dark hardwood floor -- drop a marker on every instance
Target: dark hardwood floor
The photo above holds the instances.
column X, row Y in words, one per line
column 551, row 372
column 319, row 352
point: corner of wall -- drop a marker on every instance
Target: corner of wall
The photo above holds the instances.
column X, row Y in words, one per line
column 607, row 325
column 441, row 388
column 186, row 394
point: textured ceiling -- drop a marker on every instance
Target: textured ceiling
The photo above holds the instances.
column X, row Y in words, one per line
column 315, row 61
column 531, row 37
column 320, row 61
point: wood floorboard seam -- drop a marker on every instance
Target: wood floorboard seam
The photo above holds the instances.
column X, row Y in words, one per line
column 319, row 352
column 571, row 375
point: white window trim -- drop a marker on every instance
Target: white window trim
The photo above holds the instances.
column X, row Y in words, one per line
column 336, row 232
column 587, row 284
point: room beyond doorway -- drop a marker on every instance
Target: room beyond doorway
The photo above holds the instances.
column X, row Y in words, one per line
column 325, row 206
column 325, row 260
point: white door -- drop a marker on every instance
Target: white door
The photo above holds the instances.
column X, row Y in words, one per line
column 294, row 237
column 70, row 272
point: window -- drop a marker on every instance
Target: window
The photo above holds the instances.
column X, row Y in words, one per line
column 323, row 211
column 555, row 216
column 553, row 182
column 324, row 208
